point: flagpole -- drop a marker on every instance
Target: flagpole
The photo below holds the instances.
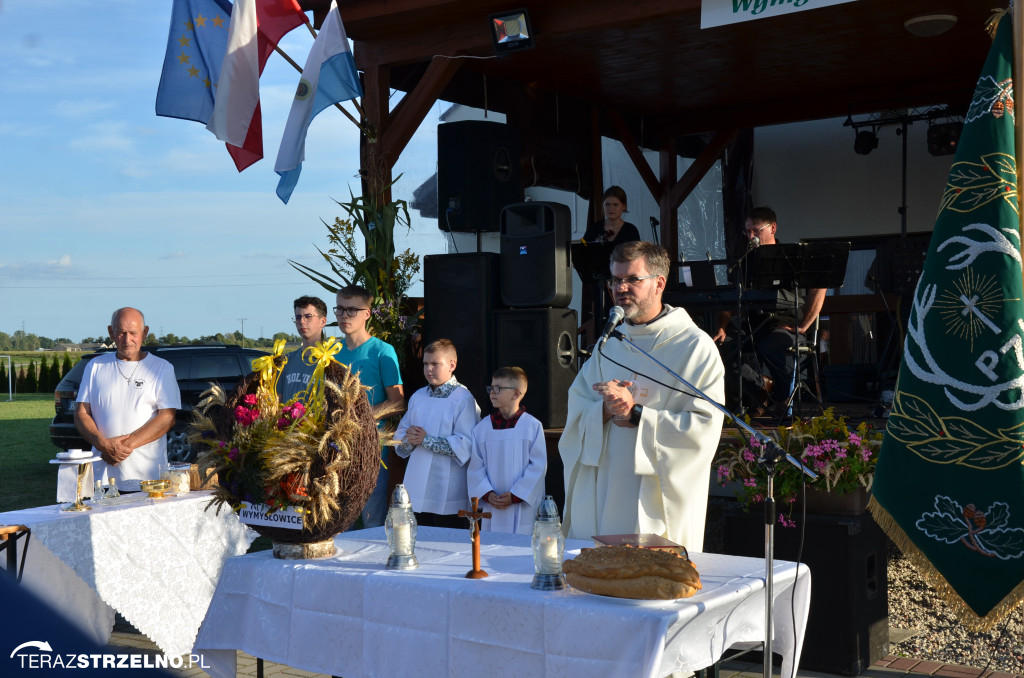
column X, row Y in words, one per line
column 1018, row 99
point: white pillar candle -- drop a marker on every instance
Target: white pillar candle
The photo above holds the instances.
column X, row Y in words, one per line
column 403, row 540
column 549, row 553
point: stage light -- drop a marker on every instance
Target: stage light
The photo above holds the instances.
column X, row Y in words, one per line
column 865, row 142
column 944, row 138
column 511, row 31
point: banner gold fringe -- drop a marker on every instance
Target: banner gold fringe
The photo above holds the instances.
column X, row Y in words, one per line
column 931, row 576
column 993, row 22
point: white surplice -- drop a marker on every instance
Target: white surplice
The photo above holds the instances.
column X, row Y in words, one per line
column 509, row 460
column 437, row 482
column 654, row 478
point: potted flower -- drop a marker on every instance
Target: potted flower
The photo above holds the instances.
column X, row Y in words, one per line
column 844, row 460
column 298, row 472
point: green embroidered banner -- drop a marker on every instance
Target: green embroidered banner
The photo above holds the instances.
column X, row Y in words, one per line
column 949, row 488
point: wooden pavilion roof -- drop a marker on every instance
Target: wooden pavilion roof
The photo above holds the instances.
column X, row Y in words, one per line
column 649, row 60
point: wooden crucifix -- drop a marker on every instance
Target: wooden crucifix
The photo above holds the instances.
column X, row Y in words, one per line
column 474, row 517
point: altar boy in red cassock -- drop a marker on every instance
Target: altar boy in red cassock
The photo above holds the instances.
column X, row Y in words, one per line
column 509, row 459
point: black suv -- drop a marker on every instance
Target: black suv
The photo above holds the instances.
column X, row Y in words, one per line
column 195, row 367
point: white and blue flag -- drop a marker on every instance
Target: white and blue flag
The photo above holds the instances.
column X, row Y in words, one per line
column 329, row 77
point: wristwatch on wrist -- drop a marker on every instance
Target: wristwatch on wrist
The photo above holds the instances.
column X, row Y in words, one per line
column 634, row 414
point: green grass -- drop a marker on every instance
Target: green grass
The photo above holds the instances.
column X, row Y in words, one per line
column 26, row 476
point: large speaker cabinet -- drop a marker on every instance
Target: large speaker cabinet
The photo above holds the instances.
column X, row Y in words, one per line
column 543, row 342
column 535, row 255
column 460, row 292
column 848, row 623
column 478, row 174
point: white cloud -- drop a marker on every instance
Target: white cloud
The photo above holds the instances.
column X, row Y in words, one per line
column 105, row 137
column 82, row 107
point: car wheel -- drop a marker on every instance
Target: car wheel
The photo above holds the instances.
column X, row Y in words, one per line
column 179, row 450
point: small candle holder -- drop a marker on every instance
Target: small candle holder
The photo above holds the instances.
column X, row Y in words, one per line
column 400, row 527
column 548, row 548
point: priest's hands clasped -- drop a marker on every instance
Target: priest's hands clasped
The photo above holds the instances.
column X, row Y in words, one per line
column 618, row 400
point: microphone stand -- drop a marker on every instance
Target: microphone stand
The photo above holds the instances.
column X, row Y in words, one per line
column 771, row 454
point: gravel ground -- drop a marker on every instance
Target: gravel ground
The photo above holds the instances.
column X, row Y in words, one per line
column 939, row 637
column 916, row 608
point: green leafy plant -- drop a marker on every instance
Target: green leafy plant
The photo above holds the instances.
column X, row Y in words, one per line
column 845, row 461
column 387, row 275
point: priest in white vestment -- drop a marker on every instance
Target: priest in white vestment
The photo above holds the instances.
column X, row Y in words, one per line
column 637, row 454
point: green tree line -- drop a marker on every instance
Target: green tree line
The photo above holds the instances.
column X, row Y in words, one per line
column 40, row 376
column 22, row 341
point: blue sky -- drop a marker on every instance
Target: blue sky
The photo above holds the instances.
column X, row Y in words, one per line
column 103, row 204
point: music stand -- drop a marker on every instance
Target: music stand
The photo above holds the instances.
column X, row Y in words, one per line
column 796, row 266
column 592, row 261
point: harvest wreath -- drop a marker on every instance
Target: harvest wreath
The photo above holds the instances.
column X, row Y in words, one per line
column 317, row 455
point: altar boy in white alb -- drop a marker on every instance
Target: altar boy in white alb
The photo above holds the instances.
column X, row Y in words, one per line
column 436, row 433
column 509, row 457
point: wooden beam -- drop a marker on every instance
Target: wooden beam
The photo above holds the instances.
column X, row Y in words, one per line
column 667, row 160
column 704, row 162
column 635, row 153
column 374, row 169
column 411, row 110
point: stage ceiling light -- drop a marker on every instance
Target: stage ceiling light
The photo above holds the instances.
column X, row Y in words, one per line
column 930, row 25
column 944, row 138
column 511, row 31
column 865, row 142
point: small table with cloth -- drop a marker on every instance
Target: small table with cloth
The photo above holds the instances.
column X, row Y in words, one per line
column 156, row 561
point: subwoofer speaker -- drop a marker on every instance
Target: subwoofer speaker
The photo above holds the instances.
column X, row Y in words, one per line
column 535, row 255
column 478, row 174
column 460, row 292
column 848, row 623
column 543, row 342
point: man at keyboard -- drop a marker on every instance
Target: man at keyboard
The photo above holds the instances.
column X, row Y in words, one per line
column 775, row 334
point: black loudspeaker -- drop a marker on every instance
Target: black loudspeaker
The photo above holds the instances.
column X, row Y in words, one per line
column 848, row 623
column 477, row 174
column 535, row 255
column 543, row 342
column 460, row 292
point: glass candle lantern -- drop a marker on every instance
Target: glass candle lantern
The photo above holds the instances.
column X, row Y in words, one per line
column 548, row 548
column 400, row 527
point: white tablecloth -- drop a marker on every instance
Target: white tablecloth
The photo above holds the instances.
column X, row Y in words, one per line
column 348, row 616
column 156, row 561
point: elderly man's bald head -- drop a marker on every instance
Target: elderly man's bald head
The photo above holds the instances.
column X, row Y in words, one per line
column 127, row 309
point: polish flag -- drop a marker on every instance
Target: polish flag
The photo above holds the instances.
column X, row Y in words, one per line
column 256, row 28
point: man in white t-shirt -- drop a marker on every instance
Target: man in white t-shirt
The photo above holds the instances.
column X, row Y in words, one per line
column 126, row 403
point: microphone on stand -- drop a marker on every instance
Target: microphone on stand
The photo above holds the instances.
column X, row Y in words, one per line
column 615, row 318
column 752, row 245
column 654, row 229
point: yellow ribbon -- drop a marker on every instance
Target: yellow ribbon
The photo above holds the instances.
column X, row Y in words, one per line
column 269, row 373
column 265, row 364
column 321, row 355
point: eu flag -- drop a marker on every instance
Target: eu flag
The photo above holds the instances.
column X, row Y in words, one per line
column 196, row 45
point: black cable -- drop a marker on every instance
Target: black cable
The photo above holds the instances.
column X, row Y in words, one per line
column 646, row 376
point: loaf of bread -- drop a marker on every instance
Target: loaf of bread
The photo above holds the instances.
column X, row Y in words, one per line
column 631, row 572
